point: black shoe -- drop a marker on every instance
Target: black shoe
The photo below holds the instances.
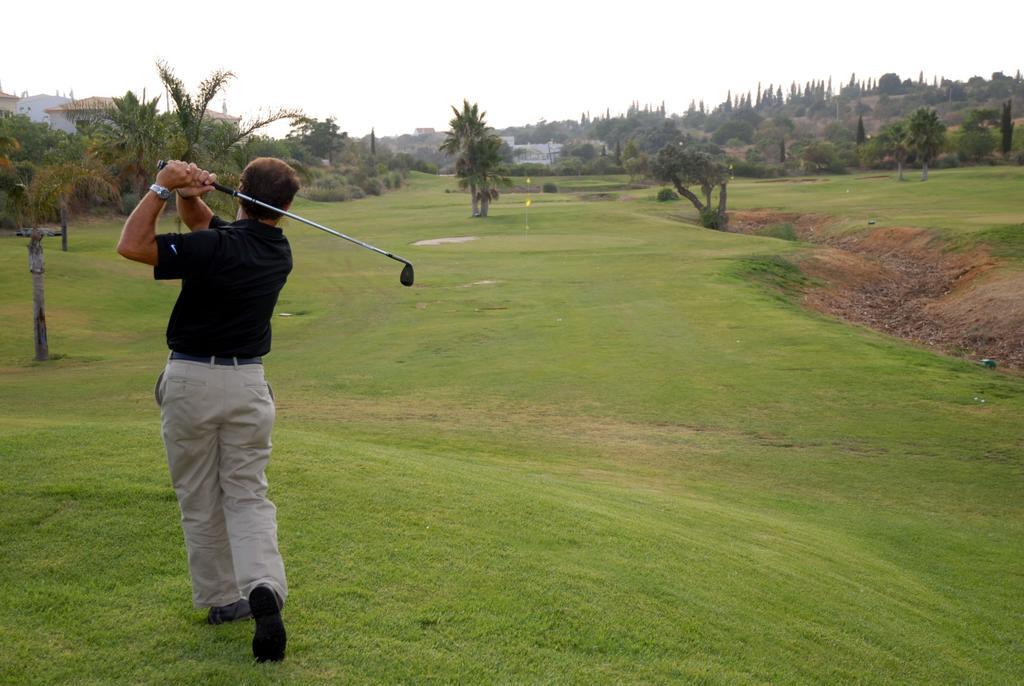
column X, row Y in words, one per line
column 229, row 613
column 269, row 640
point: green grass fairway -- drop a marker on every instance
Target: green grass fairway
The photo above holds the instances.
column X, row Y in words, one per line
column 599, row 451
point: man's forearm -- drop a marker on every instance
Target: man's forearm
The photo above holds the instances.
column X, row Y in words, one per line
column 194, row 212
column 138, row 237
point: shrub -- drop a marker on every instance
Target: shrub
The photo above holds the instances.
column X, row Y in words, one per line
column 667, row 194
column 356, row 193
column 709, row 218
column 396, row 180
column 755, row 170
column 733, row 129
column 320, row 193
column 947, row 161
column 372, row 186
column 783, row 230
column 550, row 188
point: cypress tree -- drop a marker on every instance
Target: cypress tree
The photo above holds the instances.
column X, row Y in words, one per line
column 618, row 152
column 1006, row 125
column 782, row 150
column 373, row 143
column 862, row 136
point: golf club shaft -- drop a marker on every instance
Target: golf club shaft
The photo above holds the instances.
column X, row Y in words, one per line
column 243, row 196
column 339, row 234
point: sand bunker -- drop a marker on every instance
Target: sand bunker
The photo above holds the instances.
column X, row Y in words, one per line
column 442, row 241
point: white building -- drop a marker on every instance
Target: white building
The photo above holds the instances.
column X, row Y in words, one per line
column 63, row 117
column 34, row 106
column 8, row 104
column 537, row 153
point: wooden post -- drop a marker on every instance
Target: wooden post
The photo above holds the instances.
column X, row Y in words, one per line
column 35, row 266
column 63, row 225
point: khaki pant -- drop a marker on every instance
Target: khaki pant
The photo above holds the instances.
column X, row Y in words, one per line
column 216, row 428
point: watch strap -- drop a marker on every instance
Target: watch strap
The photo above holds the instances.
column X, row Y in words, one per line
column 161, row 192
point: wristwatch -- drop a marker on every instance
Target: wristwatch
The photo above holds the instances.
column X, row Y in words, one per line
column 160, row 191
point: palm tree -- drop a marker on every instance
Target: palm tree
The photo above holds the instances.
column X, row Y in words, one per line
column 895, row 142
column 47, row 195
column 465, row 128
column 204, row 141
column 129, row 136
column 927, row 134
column 480, row 170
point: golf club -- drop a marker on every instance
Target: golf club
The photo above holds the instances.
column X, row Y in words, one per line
column 407, row 274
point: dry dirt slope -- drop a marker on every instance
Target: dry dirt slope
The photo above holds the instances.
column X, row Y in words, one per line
column 907, row 282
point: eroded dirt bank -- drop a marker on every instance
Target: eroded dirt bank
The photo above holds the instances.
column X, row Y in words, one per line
column 905, row 282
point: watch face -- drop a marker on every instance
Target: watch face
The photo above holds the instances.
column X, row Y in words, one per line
column 160, row 191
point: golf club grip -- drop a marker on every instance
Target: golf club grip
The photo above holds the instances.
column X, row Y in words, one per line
column 223, row 189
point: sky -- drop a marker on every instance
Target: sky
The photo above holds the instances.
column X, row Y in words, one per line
column 396, row 66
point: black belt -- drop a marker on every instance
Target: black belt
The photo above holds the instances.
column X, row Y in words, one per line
column 229, row 361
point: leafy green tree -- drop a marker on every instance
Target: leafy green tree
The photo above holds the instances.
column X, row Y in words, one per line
column 35, row 141
column 975, row 140
column 735, row 128
column 890, row 84
column 637, row 166
column 821, row 156
column 685, row 167
column 927, row 135
column 323, row 140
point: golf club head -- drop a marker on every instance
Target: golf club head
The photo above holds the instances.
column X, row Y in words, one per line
column 407, row 276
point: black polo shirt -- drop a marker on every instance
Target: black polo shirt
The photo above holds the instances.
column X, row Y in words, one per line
column 230, row 276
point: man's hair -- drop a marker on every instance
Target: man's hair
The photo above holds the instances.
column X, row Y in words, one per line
column 269, row 180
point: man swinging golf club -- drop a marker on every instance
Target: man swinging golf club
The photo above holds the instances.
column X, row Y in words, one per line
column 217, row 409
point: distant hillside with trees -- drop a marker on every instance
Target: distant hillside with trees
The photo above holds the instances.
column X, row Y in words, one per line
column 800, row 128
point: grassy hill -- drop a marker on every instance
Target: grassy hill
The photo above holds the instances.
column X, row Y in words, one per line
column 593, row 451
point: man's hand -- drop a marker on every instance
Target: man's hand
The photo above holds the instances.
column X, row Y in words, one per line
column 202, row 183
column 175, row 174
column 186, row 178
